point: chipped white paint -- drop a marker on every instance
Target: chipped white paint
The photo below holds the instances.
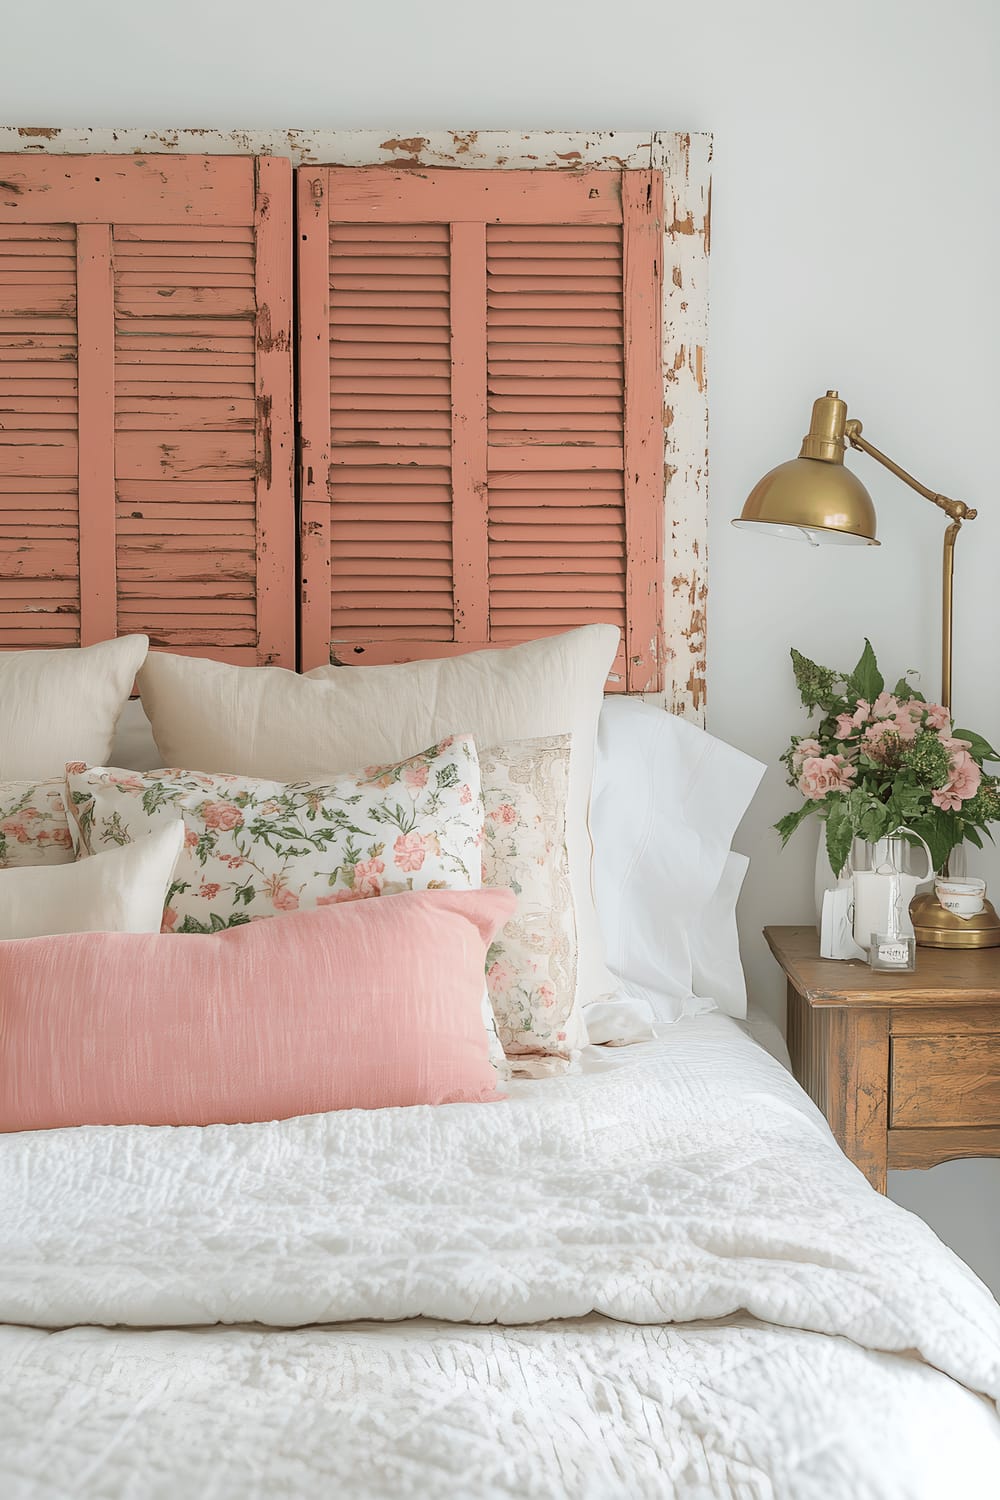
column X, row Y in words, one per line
column 359, row 148
column 685, row 161
column 687, row 199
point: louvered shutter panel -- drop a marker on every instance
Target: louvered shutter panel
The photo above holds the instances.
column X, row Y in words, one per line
column 146, row 403
column 481, row 411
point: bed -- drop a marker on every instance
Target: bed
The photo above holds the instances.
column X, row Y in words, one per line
column 654, row 1275
column 659, row 1276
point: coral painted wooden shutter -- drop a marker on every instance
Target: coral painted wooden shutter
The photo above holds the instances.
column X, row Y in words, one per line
column 146, row 422
column 481, row 411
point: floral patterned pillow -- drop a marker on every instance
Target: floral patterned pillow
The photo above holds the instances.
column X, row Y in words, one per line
column 256, row 848
column 34, row 828
column 531, row 965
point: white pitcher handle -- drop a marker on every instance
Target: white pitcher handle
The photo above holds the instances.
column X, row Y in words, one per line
column 910, row 834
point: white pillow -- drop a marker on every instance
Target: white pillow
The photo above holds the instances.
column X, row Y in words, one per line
column 268, row 722
column 123, row 890
column 63, row 705
column 667, row 800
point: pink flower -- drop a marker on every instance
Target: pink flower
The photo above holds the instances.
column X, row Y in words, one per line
column 963, row 782
column 806, row 750
column 938, row 716
column 409, row 851
column 368, row 877
column 465, row 796
column 505, row 813
column 57, row 836
column 904, row 724
column 169, row 920
column 861, row 713
column 75, row 767
column 221, row 815
column 845, row 727
column 282, row 899
column 339, row 896
column 882, row 741
column 499, row 975
column 546, row 995
column 128, row 783
column 15, row 830
column 886, row 706
column 209, row 890
column 190, row 838
column 416, row 776
column 822, row 774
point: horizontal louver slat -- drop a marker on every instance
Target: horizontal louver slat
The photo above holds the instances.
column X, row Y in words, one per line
column 185, row 451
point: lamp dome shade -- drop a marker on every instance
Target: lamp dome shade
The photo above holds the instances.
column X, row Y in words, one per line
column 823, row 501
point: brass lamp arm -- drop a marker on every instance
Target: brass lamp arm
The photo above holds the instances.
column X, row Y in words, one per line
column 957, row 512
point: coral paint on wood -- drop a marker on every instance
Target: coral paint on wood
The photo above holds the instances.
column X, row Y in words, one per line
column 146, row 403
column 481, row 373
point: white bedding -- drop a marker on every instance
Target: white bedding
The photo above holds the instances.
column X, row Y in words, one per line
column 681, row 1181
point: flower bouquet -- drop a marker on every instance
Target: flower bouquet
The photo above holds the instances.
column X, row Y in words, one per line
column 880, row 761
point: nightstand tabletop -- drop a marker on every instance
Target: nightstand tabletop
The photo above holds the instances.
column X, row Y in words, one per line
column 943, row 977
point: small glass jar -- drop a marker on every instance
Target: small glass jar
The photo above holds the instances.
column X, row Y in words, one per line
column 892, row 951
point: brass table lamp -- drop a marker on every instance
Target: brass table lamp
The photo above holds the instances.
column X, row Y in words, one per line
column 815, row 497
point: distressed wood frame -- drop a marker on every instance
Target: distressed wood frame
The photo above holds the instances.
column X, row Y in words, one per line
column 685, row 162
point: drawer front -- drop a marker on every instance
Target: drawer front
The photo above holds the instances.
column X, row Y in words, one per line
column 945, row 1080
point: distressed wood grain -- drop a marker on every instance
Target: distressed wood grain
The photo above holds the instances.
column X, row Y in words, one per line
column 907, row 1074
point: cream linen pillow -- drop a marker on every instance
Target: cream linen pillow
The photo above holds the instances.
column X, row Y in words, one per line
column 63, row 705
column 266, row 721
column 120, row 891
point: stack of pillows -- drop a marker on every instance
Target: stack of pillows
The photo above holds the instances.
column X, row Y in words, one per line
column 138, row 982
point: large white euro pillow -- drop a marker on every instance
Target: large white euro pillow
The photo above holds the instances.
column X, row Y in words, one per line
column 667, row 801
column 269, row 722
column 122, row 890
column 57, row 706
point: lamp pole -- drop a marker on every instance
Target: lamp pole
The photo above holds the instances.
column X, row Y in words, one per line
column 957, row 512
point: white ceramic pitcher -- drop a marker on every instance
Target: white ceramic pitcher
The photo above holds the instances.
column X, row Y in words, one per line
column 875, row 889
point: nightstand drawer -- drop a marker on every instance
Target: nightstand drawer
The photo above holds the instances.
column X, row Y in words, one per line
column 945, row 1080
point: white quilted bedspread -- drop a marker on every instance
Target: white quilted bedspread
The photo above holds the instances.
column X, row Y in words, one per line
column 683, row 1181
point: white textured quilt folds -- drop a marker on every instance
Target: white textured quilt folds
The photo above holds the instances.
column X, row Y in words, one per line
column 826, row 1334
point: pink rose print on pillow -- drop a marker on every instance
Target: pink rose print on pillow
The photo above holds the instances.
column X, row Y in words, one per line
column 409, row 851
column 222, row 815
column 415, row 777
column 506, row 813
column 368, row 877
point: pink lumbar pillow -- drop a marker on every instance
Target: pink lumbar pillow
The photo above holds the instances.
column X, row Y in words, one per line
column 354, row 1006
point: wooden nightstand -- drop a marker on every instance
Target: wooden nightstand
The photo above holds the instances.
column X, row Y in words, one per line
column 906, row 1067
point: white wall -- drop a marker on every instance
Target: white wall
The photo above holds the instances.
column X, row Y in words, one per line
column 855, row 245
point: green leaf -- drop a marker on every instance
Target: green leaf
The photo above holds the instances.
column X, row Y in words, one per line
column 905, row 691
column 787, row 825
column 973, row 836
column 980, row 749
column 941, row 830
column 866, row 681
column 839, row 834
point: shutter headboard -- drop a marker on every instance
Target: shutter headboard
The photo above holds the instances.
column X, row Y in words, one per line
column 145, row 403
column 216, row 563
